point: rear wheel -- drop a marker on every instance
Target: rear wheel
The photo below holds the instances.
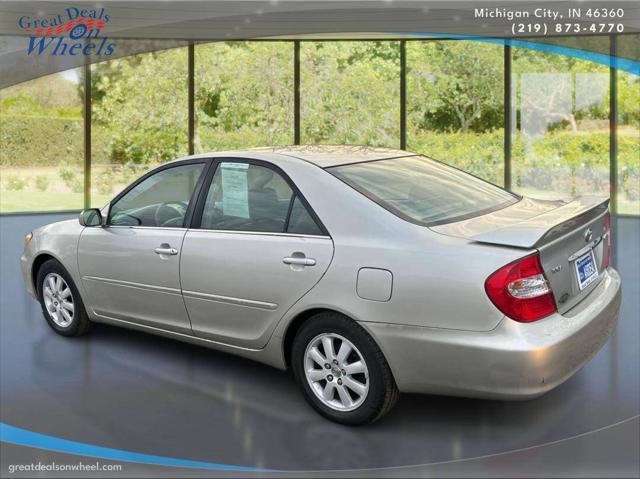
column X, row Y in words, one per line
column 341, row 371
column 60, row 300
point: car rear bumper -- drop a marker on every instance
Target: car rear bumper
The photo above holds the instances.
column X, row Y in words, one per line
column 513, row 361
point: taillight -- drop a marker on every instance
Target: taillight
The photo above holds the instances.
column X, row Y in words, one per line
column 521, row 291
column 607, row 233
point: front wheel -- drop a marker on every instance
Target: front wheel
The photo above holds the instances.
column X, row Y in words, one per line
column 60, row 300
column 341, row 371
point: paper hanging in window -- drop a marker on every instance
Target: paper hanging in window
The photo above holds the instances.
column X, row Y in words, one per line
column 235, row 190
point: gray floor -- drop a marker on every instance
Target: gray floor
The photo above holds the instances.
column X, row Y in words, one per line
column 126, row 390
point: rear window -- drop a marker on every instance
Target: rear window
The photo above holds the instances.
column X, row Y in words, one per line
column 424, row 191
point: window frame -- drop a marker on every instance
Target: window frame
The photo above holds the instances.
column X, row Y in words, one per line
column 194, row 194
column 196, row 218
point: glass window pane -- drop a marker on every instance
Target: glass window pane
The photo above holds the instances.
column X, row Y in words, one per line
column 243, row 95
column 350, row 93
column 301, row 222
column 139, row 118
column 160, row 200
column 424, row 191
column 628, row 144
column 455, row 101
column 246, row 197
column 561, row 125
column 41, row 144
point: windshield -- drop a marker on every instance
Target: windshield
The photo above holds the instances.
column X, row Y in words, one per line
column 424, row 191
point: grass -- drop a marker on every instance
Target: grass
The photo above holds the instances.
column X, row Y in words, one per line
column 30, row 201
column 26, row 201
column 57, row 197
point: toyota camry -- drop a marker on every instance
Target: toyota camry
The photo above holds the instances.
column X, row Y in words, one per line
column 366, row 271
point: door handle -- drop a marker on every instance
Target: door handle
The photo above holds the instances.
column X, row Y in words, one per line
column 299, row 261
column 166, row 250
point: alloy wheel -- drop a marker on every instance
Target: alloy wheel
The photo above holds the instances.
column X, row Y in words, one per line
column 336, row 372
column 58, row 299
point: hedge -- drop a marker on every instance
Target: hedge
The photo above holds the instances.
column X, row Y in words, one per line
column 562, row 161
column 46, row 141
column 574, row 163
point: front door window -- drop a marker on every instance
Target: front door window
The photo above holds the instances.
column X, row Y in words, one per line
column 161, row 200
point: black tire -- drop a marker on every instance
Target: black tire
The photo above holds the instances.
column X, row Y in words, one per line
column 80, row 323
column 383, row 392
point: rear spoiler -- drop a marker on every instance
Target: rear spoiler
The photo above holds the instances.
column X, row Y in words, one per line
column 547, row 226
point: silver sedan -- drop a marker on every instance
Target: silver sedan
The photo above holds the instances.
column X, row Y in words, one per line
column 366, row 271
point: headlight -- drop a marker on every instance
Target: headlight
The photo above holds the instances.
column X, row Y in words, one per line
column 27, row 239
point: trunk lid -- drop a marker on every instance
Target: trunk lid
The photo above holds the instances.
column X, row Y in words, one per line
column 564, row 233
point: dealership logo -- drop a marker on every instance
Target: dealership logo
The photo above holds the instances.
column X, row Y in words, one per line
column 73, row 32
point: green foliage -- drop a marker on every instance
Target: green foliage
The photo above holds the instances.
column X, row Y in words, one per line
column 561, row 162
column 455, row 86
column 67, row 173
column 575, row 163
column 629, row 98
column 15, row 183
column 142, row 106
column 480, row 154
column 76, row 185
column 50, row 94
column 350, row 93
column 631, row 185
column 244, row 95
column 36, row 141
column 71, row 178
column 24, row 106
column 105, row 181
column 42, row 182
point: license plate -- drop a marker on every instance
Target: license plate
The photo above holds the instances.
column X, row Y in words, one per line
column 586, row 270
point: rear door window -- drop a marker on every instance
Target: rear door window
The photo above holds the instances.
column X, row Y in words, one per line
column 249, row 197
column 301, row 221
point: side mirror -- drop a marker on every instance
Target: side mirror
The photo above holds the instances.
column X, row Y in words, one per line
column 90, row 217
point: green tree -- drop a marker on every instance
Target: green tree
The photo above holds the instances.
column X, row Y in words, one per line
column 244, row 94
column 141, row 103
column 455, row 86
column 350, row 92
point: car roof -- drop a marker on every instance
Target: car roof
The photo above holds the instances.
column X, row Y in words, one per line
column 324, row 156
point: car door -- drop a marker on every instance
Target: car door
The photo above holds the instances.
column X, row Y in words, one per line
column 130, row 266
column 257, row 248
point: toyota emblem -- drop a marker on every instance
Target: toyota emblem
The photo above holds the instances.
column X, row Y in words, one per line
column 588, row 235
